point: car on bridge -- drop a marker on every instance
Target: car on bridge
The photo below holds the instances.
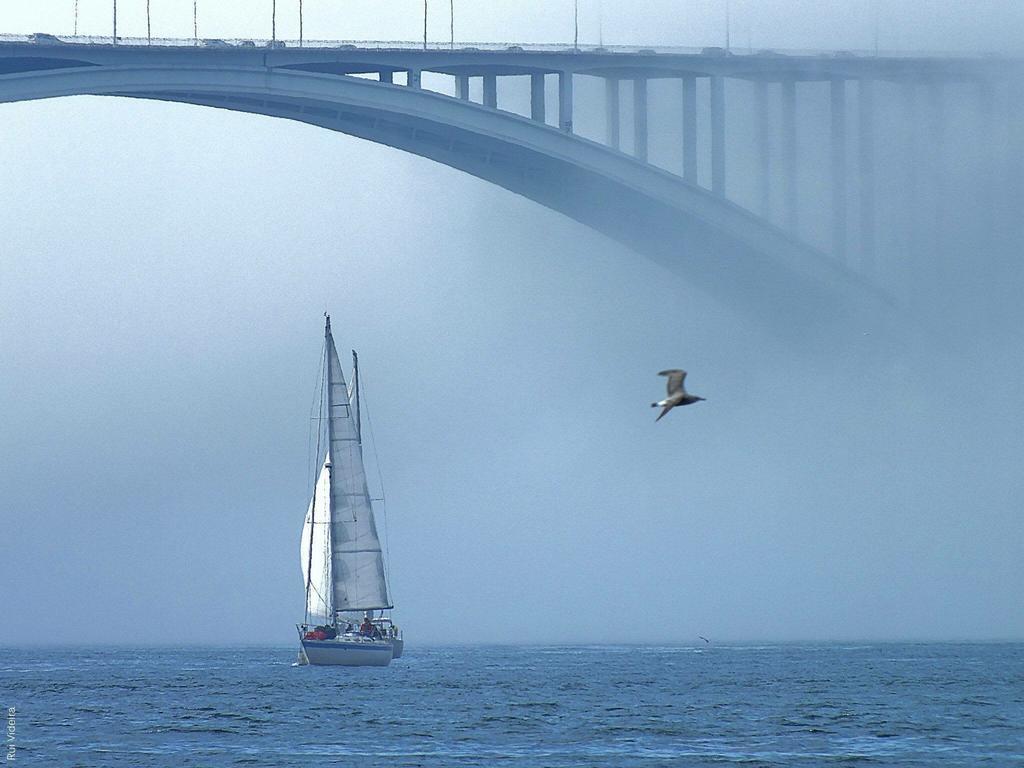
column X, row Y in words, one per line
column 246, row 44
column 216, row 42
column 44, row 37
column 274, row 44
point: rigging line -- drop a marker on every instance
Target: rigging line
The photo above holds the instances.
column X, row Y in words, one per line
column 317, row 398
column 383, row 499
column 312, row 507
column 322, row 598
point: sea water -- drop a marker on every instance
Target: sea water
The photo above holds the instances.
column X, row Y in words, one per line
column 714, row 705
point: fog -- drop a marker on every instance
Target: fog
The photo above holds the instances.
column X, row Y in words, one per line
column 163, row 274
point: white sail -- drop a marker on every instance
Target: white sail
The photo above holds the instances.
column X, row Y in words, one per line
column 357, row 564
column 316, row 559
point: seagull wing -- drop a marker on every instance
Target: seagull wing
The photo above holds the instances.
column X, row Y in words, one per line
column 676, row 377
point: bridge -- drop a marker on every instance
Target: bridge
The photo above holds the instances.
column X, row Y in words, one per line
column 793, row 232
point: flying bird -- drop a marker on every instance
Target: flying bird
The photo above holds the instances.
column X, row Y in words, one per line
column 677, row 394
column 704, row 639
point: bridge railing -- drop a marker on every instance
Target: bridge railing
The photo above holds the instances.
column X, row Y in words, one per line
column 239, row 42
column 496, row 47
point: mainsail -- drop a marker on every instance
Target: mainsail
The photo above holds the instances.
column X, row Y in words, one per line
column 355, row 569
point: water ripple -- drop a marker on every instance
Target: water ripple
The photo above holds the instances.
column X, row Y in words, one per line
column 893, row 706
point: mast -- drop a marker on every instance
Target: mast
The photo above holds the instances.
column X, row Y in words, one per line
column 328, row 343
column 328, row 346
column 355, row 389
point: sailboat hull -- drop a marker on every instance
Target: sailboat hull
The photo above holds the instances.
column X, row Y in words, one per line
column 348, row 654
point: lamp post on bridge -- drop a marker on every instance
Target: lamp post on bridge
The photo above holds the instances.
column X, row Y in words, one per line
column 115, row 22
column 300, row 23
column 728, row 28
column 576, row 25
column 273, row 21
column 424, row 25
column 149, row 28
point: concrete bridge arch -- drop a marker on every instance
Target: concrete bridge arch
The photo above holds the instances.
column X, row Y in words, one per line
column 719, row 247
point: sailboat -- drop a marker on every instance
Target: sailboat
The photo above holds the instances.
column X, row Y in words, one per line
column 346, row 618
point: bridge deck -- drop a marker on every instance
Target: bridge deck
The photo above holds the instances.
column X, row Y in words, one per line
column 356, row 57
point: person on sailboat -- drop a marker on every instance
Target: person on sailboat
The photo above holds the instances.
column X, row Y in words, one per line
column 366, row 628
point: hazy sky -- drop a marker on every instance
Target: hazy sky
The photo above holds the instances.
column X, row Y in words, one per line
column 163, row 271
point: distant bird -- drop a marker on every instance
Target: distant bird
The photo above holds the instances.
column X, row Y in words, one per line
column 677, row 394
column 704, row 639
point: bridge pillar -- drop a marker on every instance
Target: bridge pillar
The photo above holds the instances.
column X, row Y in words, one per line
column 565, row 101
column 1014, row 116
column 986, row 116
column 937, row 169
column 640, row 118
column 690, row 128
column 491, row 91
column 911, row 151
column 462, row 87
column 837, row 100
column 789, row 152
column 386, row 76
column 537, row 97
column 718, row 135
column 611, row 93
column 413, row 78
column 866, row 168
column 764, row 147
